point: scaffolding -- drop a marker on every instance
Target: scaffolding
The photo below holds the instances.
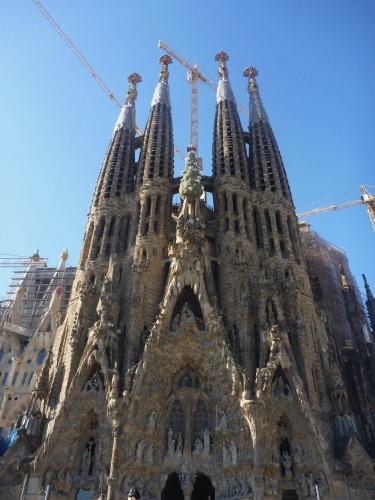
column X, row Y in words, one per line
column 37, row 283
column 323, row 261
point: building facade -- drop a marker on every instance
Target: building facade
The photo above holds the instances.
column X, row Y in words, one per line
column 28, row 325
column 197, row 359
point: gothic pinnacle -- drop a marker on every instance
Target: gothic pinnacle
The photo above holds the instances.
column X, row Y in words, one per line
column 251, row 73
column 368, row 289
column 222, row 57
column 224, row 89
column 127, row 114
column 132, row 93
column 257, row 111
column 164, row 60
column 161, row 94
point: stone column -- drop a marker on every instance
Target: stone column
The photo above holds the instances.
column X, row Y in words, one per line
column 112, row 480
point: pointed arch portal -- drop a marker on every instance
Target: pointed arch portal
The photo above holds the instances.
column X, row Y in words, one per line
column 172, row 489
column 203, row 489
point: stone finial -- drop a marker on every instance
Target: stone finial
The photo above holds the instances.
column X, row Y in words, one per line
column 191, row 182
column 222, row 57
column 164, row 60
column 64, row 255
column 251, row 73
column 132, row 93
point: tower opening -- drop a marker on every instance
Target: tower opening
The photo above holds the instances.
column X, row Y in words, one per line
column 172, row 489
column 203, row 489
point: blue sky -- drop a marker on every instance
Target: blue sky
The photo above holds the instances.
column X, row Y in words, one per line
column 316, row 76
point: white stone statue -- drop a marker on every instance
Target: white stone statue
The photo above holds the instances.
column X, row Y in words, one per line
column 186, row 313
column 171, row 442
column 310, row 481
column 139, row 452
column 179, row 445
column 175, row 323
column 298, row 453
column 151, row 422
column 223, row 422
column 198, row 447
column 233, row 452
column 86, row 461
column 150, row 455
column 225, row 453
column 303, row 481
column 206, row 441
column 287, row 463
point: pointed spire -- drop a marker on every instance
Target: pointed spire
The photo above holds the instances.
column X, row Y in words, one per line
column 157, row 153
column 161, row 93
column 368, row 289
column 127, row 115
column 257, row 111
column 224, row 89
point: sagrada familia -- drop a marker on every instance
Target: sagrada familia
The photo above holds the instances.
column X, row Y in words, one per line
column 200, row 356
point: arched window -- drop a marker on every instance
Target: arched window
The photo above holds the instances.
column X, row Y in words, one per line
column 41, row 356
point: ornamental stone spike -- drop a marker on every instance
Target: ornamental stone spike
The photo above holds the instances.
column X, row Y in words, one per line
column 132, row 93
column 164, row 60
column 251, row 73
column 222, row 57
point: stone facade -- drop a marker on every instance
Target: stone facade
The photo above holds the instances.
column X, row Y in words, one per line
column 194, row 361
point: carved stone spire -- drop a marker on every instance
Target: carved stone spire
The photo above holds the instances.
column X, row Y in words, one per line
column 118, row 163
column 370, row 304
column 161, row 94
column 267, row 171
column 156, row 159
column 127, row 114
column 229, row 150
column 257, row 111
column 224, row 89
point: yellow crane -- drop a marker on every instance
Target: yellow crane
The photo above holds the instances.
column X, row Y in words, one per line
column 365, row 199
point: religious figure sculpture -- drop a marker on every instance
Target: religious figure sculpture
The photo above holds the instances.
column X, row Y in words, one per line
column 233, row 452
column 287, row 463
column 139, row 452
column 198, row 447
column 175, row 323
column 179, row 445
column 151, row 422
column 206, row 441
column 171, row 442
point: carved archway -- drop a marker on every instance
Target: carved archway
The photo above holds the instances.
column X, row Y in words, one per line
column 203, row 489
column 172, row 489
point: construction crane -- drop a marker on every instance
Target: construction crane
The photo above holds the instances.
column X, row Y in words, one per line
column 365, row 199
column 192, row 77
column 78, row 54
column 93, row 73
